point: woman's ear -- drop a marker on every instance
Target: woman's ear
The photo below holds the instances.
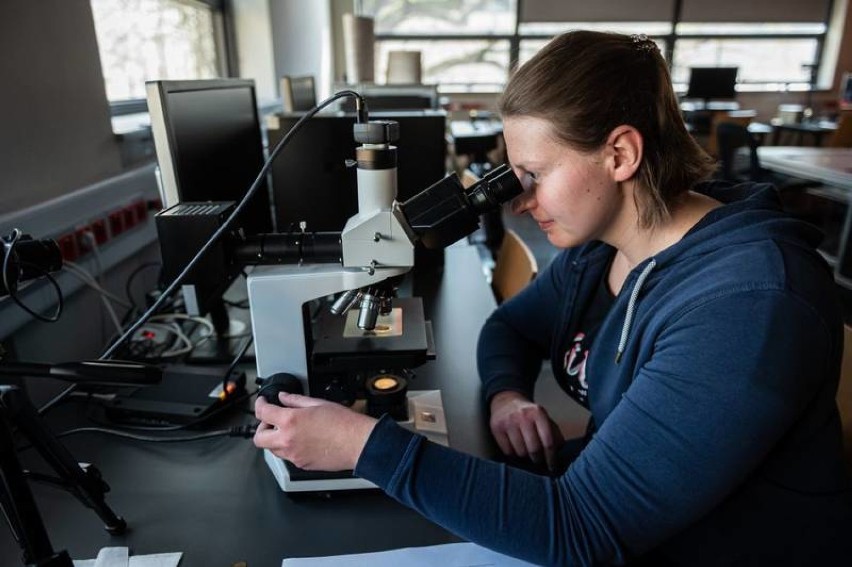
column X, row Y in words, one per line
column 626, row 146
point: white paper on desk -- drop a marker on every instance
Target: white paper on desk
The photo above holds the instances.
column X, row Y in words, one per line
column 155, row 560
column 447, row 555
column 118, row 557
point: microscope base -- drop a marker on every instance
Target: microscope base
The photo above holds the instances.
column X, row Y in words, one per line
column 425, row 416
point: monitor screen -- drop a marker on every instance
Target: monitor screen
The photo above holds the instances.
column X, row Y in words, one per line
column 393, row 97
column 312, row 183
column 712, row 83
column 209, row 144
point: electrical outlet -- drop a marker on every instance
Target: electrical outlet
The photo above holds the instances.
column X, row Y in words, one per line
column 151, row 335
column 140, row 207
column 81, row 236
column 99, row 229
column 116, row 223
column 129, row 215
column 68, row 247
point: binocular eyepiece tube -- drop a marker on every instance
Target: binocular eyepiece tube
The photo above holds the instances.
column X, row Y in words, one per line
column 446, row 211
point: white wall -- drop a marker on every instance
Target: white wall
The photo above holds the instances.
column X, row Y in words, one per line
column 253, row 30
column 56, row 134
column 301, row 39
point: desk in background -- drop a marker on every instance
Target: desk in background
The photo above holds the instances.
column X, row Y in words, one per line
column 833, row 168
column 475, row 137
column 218, row 503
column 814, row 131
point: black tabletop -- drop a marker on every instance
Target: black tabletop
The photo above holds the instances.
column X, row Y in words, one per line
column 217, row 502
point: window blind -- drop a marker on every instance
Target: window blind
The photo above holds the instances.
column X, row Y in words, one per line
column 597, row 11
column 729, row 11
column 733, row 11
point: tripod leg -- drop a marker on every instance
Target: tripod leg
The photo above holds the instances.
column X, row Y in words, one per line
column 19, row 507
column 86, row 485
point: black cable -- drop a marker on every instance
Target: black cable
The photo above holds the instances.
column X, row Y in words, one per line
column 240, row 354
column 58, row 398
column 237, row 431
column 9, row 243
column 237, row 304
column 261, row 178
column 139, row 269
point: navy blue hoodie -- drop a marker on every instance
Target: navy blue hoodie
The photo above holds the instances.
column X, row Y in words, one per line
column 712, row 386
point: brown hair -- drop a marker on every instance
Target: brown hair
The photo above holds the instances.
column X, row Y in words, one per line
column 587, row 83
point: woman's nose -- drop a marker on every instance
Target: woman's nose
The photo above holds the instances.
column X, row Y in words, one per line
column 522, row 203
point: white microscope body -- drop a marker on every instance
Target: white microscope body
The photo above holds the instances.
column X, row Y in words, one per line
column 377, row 243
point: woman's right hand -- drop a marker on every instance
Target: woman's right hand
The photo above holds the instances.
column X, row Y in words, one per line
column 523, row 428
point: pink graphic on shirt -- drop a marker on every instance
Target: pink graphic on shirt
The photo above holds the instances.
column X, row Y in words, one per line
column 575, row 361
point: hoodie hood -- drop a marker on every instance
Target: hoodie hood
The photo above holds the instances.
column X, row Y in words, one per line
column 750, row 212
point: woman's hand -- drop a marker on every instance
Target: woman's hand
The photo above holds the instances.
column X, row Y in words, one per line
column 312, row 434
column 523, row 428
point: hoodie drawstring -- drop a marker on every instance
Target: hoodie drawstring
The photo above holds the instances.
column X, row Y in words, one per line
column 631, row 308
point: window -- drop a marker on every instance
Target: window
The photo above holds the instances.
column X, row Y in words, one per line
column 465, row 44
column 456, row 62
column 471, row 44
column 764, row 64
column 442, row 17
column 141, row 40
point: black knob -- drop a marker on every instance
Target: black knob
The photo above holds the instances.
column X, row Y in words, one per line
column 281, row 382
column 376, row 132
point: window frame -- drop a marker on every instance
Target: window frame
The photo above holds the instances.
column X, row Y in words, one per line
column 224, row 41
column 670, row 39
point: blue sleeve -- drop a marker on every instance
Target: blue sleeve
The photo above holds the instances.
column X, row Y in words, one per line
column 518, row 335
column 728, row 377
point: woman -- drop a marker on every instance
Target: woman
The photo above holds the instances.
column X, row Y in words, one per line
column 696, row 321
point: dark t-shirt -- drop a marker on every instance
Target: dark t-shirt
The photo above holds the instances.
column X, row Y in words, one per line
column 572, row 379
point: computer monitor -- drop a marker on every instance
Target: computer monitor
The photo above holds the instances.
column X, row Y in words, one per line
column 298, row 94
column 209, row 146
column 712, row 83
column 385, row 98
column 312, row 183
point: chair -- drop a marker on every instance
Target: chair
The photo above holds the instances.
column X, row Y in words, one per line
column 733, row 166
column 742, row 118
column 842, row 137
column 514, row 268
column 730, row 137
column 468, row 178
column 298, row 93
column 404, row 68
column 844, row 394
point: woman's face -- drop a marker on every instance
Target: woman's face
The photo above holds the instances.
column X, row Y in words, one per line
column 572, row 195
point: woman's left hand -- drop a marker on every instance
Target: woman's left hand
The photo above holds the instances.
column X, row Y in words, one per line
column 312, row 434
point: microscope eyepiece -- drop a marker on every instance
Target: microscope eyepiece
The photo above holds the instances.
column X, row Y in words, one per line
column 499, row 186
column 446, row 211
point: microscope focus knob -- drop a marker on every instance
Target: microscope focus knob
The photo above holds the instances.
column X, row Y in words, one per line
column 281, row 382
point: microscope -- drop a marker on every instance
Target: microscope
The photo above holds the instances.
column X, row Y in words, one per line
column 368, row 337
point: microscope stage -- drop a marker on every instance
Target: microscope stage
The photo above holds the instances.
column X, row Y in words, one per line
column 400, row 340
